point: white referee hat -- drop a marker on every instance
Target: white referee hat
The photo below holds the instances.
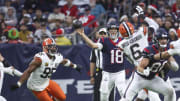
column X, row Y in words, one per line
column 102, row 30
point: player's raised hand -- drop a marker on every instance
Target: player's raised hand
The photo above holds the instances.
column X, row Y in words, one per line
column 77, row 24
column 140, row 13
column 80, row 31
column 139, row 10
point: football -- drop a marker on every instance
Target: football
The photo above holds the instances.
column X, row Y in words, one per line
column 77, row 24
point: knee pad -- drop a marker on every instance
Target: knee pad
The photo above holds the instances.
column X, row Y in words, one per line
column 170, row 91
column 104, row 97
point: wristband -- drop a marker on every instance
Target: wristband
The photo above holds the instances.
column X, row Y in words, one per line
column 74, row 66
column 19, row 84
column 160, row 55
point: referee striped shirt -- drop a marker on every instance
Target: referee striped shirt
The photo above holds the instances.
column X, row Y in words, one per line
column 97, row 57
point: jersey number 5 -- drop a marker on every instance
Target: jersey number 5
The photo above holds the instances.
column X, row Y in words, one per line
column 48, row 72
column 116, row 56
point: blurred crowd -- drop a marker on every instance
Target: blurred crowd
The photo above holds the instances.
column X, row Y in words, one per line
column 30, row 21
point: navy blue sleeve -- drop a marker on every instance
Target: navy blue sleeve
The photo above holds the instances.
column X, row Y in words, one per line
column 147, row 54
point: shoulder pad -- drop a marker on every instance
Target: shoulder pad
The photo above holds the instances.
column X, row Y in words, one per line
column 40, row 54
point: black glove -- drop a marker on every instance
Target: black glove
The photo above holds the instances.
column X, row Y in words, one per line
column 14, row 87
column 77, row 24
column 140, row 12
column 78, row 68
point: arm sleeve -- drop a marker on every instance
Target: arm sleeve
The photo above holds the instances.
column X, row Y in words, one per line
column 146, row 54
column 151, row 23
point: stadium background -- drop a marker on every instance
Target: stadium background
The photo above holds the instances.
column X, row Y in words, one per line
column 76, row 86
column 27, row 19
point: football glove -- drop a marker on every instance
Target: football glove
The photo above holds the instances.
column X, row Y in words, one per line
column 77, row 67
column 15, row 86
column 140, row 13
column 139, row 10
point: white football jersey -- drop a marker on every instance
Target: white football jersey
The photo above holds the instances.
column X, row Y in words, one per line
column 1, row 76
column 134, row 46
column 39, row 79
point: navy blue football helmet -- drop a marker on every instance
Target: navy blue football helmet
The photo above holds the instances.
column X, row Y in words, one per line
column 161, row 33
column 110, row 34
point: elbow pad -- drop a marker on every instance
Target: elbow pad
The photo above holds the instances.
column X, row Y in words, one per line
column 174, row 66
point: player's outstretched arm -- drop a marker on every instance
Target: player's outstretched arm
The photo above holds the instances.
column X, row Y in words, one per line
column 68, row 63
column 87, row 40
column 11, row 71
column 174, row 50
column 35, row 63
column 7, row 68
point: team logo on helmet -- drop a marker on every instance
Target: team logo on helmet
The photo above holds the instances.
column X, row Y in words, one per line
column 126, row 29
column 49, row 46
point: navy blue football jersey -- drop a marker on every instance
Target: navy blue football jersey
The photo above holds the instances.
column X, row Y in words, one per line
column 155, row 65
column 113, row 60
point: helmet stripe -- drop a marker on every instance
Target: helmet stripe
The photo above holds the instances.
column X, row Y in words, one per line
column 127, row 28
column 53, row 42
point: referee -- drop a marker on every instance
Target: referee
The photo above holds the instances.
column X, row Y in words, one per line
column 96, row 65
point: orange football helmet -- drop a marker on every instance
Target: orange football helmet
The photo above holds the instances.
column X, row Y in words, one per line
column 178, row 32
column 49, row 46
column 126, row 29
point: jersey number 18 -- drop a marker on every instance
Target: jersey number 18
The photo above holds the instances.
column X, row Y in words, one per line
column 116, row 56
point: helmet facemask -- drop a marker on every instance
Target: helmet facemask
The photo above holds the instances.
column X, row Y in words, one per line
column 161, row 38
column 51, row 49
column 113, row 33
column 49, row 46
column 163, row 44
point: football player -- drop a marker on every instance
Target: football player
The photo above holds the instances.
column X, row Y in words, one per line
column 40, row 70
column 132, row 46
column 113, row 68
column 150, row 65
column 5, row 67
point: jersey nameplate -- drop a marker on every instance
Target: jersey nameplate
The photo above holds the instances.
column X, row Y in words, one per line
column 132, row 41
